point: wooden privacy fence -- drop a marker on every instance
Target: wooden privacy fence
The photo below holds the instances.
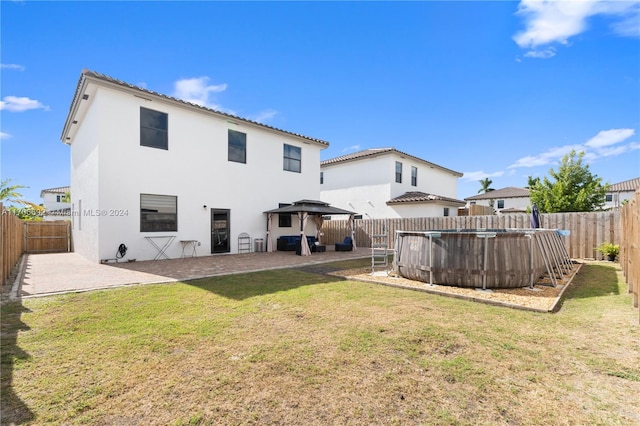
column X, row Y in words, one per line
column 47, row 237
column 11, row 242
column 587, row 230
column 630, row 246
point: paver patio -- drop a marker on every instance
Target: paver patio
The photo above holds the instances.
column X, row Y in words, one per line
column 46, row 274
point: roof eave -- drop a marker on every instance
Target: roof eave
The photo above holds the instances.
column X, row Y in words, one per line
column 88, row 77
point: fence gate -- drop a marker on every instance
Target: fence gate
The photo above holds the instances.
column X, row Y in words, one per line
column 47, row 237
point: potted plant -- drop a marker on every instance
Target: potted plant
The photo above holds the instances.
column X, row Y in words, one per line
column 610, row 250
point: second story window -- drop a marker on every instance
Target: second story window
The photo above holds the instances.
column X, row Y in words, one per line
column 321, row 178
column 608, row 198
column 292, row 160
column 446, row 211
column 500, row 204
column 154, row 128
column 398, row 172
column 414, row 176
column 237, row 147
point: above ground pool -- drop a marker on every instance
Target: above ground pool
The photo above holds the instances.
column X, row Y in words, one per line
column 481, row 258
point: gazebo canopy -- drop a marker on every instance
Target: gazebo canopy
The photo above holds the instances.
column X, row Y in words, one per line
column 310, row 207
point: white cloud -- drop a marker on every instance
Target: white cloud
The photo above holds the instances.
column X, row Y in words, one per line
column 352, row 148
column 597, row 147
column 553, row 21
column 4, row 135
column 545, row 158
column 265, row 115
column 541, row 54
column 476, row 176
column 197, row 91
column 12, row 67
column 609, row 137
column 20, row 104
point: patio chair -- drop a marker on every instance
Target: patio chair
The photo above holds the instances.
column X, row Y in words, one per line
column 346, row 245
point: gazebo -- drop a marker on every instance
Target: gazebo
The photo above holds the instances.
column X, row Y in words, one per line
column 304, row 209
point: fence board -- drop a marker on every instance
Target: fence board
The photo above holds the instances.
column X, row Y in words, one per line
column 630, row 246
column 587, row 230
column 11, row 244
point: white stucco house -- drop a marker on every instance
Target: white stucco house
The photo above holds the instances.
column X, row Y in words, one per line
column 619, row 192
column 159, row 174
column 504, row 200
column 55, row 203
column 388, row 183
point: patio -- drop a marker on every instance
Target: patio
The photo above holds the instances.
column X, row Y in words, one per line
column 46, row 274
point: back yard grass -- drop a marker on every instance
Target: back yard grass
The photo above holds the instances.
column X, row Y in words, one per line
column 300, row 347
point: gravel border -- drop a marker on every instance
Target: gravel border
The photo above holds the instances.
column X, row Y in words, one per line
column 544, row 298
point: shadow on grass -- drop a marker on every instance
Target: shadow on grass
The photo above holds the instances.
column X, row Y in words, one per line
column 12, row 409
column 594, row 280
column 244, row 286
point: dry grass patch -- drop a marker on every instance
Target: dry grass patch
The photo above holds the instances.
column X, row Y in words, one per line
column 294, row 347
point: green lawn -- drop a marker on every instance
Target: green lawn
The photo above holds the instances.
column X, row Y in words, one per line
column 294, row 347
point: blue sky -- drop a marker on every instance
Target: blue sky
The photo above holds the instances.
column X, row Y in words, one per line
column 490, row 89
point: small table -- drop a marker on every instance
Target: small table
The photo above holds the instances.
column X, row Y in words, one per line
column 319, row 249
column 161, row 249
column 192, row 244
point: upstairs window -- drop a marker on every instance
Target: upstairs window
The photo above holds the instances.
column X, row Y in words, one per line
column 446, row 211
column 398, row 172
column 237, row 147
column 414, row 176
column 501, row 204
column 292, row 158
column 608, row 198
column 321, row 178
column 154, row 129
column 158, row 213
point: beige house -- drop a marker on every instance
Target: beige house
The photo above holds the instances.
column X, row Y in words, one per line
column 505, row 200
column 56, row 204
column 620, row 192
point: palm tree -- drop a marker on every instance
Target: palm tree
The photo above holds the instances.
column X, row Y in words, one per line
column 486, row 185
column 9, row 193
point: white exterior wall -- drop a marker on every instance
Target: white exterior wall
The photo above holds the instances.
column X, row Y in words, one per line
column 509, row 203
column 617, row 199
column 423, row 210
column 194, row 168
column 51, row 203
column 365, row 185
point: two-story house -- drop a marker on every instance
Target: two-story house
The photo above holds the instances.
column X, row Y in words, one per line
column 620, row 192
column 504, row 200
column 56, row 204
column 387, row 183
column 154, row 173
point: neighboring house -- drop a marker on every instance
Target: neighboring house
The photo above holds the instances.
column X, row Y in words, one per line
column 155, row 173
column 619, row 192
column 55, row 203
column 505, row 200
column 387, row 183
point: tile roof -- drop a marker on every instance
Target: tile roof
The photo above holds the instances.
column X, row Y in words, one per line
column 87, row 75
column 626, row 186
column 58, row 190
column 509, row 192
column 381, row 151
column 421, row 197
